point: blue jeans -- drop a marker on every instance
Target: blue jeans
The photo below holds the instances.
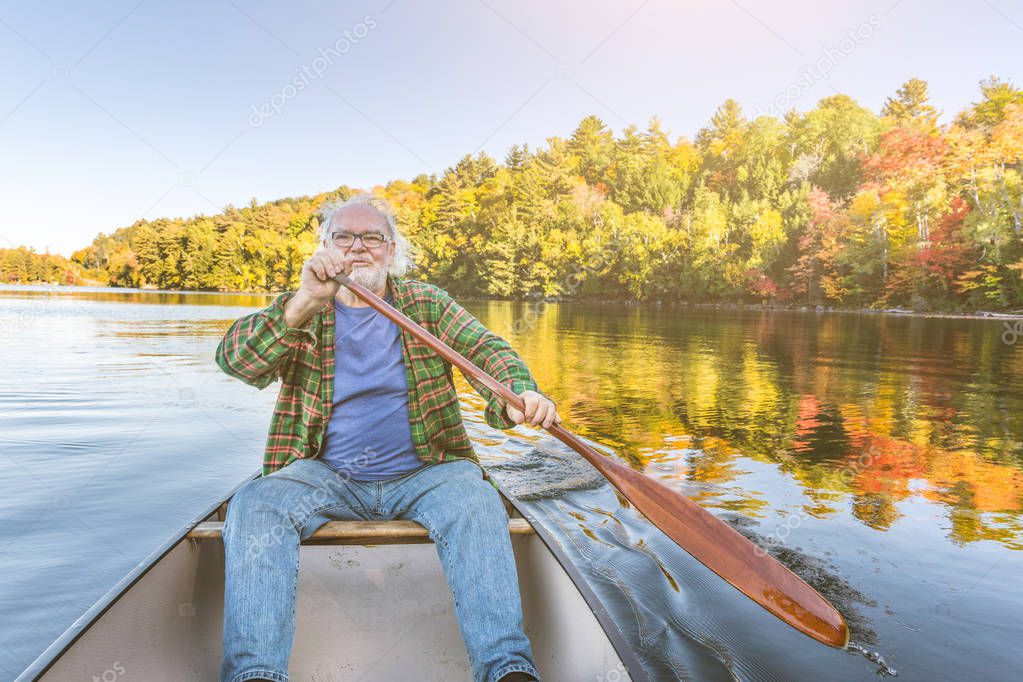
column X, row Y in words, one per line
column 269, row 516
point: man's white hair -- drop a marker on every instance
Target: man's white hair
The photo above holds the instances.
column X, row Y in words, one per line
column 402, row 261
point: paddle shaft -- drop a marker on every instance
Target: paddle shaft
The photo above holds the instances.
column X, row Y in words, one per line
column 707, row 538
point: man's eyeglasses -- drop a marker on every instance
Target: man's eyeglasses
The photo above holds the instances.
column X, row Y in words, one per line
column 371, row 240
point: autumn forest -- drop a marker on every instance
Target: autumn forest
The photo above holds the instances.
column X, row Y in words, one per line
column 835, row 206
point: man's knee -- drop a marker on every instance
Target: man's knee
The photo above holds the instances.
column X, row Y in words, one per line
column 243, row 498
column 273, row 492
column 255, row 526
column 473, row 500
column 258, row 508
column 249, row 497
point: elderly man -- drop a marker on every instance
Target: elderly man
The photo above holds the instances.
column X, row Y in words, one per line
column 367, row 426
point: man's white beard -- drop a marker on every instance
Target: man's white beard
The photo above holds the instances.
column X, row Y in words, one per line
column 370, row 276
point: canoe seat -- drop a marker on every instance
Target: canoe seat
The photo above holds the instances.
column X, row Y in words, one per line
column 359, row 532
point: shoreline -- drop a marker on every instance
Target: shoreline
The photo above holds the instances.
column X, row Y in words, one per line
column 657, row 305
column 771, row 307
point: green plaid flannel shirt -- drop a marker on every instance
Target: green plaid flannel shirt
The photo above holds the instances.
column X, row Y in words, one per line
column 260, row 348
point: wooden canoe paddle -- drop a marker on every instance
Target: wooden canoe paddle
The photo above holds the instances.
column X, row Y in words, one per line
column 710, row 540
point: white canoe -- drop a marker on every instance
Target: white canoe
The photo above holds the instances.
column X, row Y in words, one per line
column 373, row 604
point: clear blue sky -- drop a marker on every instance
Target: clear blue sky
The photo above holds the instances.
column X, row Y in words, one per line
column 114, row 111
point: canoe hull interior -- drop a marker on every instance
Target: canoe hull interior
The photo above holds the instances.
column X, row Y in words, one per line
column 363, row 613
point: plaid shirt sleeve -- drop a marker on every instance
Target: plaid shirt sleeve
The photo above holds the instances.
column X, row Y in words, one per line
column 258, row 347
column 464, row 333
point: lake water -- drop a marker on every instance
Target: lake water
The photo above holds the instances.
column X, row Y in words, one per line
column 879, row 457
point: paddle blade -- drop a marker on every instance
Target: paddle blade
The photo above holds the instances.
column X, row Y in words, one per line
column 729, row 554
